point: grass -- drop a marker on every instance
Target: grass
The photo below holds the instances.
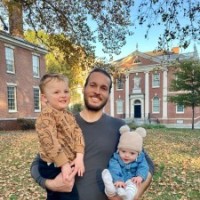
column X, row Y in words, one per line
column 175, row 152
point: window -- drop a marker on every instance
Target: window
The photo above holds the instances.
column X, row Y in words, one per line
column 9, row 60
column 136, row 60
column 36, row 66
column 179, row 108
column 119, row 84
column 176, row 79
column 156, row 105
column 12, row 107
column 137, row 80
column 120, row 109
column 36, row 96
column 156, row 80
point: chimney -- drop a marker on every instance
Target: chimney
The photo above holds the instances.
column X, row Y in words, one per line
column 15, row 18
column 175, row 50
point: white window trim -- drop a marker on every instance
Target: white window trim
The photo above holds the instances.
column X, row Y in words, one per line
column 122, row 110
column 11, row 47
column 119, row 89
column 37, row 55
column 179, row 112
column 13, row 85
column 37, row 110
column 153, row 105
column 179, row 121
column 155, row 86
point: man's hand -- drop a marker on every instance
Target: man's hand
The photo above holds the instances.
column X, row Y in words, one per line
column 115, row 198
column 57, row 184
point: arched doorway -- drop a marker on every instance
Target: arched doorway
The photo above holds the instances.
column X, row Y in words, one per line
column 137, row 109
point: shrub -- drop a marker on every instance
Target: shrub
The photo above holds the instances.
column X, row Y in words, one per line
column 76, row 108
column 146, row 126
column 132, row 125
column 26, row 124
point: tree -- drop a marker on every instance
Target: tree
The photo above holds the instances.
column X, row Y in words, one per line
column 56, row 59
column 179, row 19
column 186, row 85
column 112, row 20
column 65, row 59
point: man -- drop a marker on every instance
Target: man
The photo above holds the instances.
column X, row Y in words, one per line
column 101, row 134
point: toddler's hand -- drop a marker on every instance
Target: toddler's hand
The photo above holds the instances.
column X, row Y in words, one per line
column 79, row 165
column 66, row 171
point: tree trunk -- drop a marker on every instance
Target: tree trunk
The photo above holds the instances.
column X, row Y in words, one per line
column 192, row 117
column 15, row 18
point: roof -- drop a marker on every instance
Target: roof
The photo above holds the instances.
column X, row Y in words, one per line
column 139, row 59
column 17, row 41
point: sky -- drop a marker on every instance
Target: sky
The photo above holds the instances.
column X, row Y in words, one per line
column 143, row 44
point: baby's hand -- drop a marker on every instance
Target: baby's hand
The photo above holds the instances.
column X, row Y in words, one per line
column 137, row 180
column 120, row 184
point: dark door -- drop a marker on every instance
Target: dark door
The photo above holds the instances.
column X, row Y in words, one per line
column 137, row 111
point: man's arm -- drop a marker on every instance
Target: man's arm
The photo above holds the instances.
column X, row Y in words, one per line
column 55, row 184
column 150, row 163
column 143, row 187
column 115, row 198
column 35, row 172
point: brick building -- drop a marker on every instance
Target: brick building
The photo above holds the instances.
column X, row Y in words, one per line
column 140, row 95
column 21, row 66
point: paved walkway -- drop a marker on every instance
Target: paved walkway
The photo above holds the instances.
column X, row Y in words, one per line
column 196, row 126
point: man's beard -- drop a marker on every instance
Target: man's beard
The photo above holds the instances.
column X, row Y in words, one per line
column 94, row 108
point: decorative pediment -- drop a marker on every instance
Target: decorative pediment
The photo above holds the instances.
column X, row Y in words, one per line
column 136, row 59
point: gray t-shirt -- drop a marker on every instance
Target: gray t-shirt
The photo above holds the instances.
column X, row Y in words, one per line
column 101, row 139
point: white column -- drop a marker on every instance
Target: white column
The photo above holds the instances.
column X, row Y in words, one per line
column 127, row 97
column 112, row 103
column 146, row 94
column 165, row 94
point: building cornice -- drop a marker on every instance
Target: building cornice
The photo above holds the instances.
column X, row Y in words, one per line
column 6, row 37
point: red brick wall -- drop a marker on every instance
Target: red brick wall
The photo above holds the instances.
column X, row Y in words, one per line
column 172, row 116
column 153, row 92
column 24, row 80
column 9, row 125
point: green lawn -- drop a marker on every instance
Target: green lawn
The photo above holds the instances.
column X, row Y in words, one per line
column 176, row 154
